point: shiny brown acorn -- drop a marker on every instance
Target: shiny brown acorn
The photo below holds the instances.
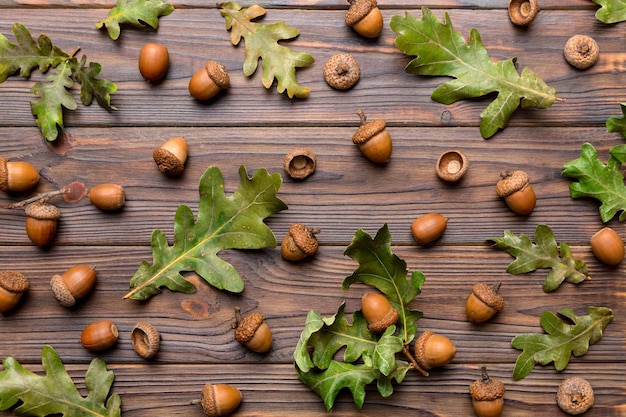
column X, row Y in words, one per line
column 487, row 395
column 17, row 175
column 107, row 196
column 41, row 222
column 74, row 284
column 219, row 399
column 171, row 156
column 607, row 246
column 12, row 286
column 154, row 60
column 364, row 17
column 433, row 350
column 428, row 228
column 373, row 139
column 378, row 312
column 483, row 303
column 517, row 192
column 299, row 242
column 208, row 81
column 99, row 335
column 253, row 332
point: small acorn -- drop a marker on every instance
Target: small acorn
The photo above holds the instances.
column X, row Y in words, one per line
column 171, row 156
column 300, row 163
column 108, row 197
column 607, row 246
column 12, row 286
column 487, row 395
column 433, row 350
column 209, row 81
column 74, row 284
column 253, row 332
column 146, row 340
column 523, row 12
column 299, row 243
column 373, row 139
column 517, row 192
column 575, row 395
column 428, row 228
column 99, row 335
column 219, row 399
column 483, row 303
column 154, row 60
column 378, row 312
column 41, row 222
column 365, row 18
column 17, row 176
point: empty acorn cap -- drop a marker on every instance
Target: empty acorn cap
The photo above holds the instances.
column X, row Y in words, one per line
column 146, row 340
column 522, row 12
column 452, row 165
column 358, row 10
column 300, row 163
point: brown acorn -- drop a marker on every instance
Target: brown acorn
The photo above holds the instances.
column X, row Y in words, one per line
column 208, row 81
column 342, row 71
column 428, row 228
column 171, row 156
column 41, row 222
column 253, row 332
column 517, row 192
column 74, row 284
column 581, row 51
column 378, row 312
column 483, row 303
column 607, row 246
column 17, row 176
column 154, row 60
column 365, row 18
column 146, row 340
column 432, row 350
column 12, row 286
column 299, row 243
column 219, row 399
column 575, row 395
column 373, row 139
column 487, row 395
column 99, row 335
column 108, row 196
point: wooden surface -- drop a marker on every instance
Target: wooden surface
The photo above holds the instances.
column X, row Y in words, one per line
column 255, row 127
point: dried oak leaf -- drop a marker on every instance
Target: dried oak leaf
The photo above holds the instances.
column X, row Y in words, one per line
column 278, row 61
column 440, row 50
column 563, row 338
column 612, row 11
column 596, row 180
column 544, row 253
column 55, row 393
column 138, row 13
column 234, row 222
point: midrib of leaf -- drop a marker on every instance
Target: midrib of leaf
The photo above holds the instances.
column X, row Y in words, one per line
column 550, row 260
column 193, row 248
column 578, row 336
column 348, row 336
column 84, row 410
column 246, row 23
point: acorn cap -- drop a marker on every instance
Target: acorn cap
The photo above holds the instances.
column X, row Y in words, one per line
column 381, row 325
column 486, row 390
column 304, row 238
column 342, row 71
column 4, row 174
column 368, row 130
column 61, row 292
column 511, row 182
column 300, row 163
column 146, row 340
column 217, row 72
column 42, row 211
column 358, row 10
column 581, row 51
column 167, row 162
column 488, row 295
column 575, row 395
column 248, row 326
column 13, row 281
column 523, row 12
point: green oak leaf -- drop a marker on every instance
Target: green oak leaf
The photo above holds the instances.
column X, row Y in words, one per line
column 90, row 85
column 440, row 50
column 55, row 393
column 381, row 269
column 27, row 54
column 138, row 13
column 53, row 97
column 617, row 124
column 596, row 180
column 612, row 11
column 544, row 253
column 278, row 61
column 234, row 222
column 562, row 339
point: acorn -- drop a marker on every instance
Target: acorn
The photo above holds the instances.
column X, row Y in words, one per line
column 253, row 332
column 41, row 222
column 433, row 350
column 108, row 197
column 154, row 60
column 575, row 395
column 74, row 284
column 342, row 71
column 12, row 286
column 483, row 303
column 209, row 81
column 171, row 156
column 373, row 139
column 428, row 228
column 17, row 176
column 299, row 243
column 378, row 312
column 487, row 395
column 607, row 246
column 365, row 18
column 99, row 335
column 146, row 340
column 219, row 399
column 581, row 51
column 300, row 163
column 517, row 192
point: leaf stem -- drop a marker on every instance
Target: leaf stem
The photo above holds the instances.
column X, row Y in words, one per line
column 414, row 364
column 74, row 52
column 43, row 197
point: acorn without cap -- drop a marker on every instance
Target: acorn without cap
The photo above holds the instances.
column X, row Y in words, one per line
column 365, row 18
column 483, row 302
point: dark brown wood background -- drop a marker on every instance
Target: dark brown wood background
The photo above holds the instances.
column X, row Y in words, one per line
column 249, row 125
